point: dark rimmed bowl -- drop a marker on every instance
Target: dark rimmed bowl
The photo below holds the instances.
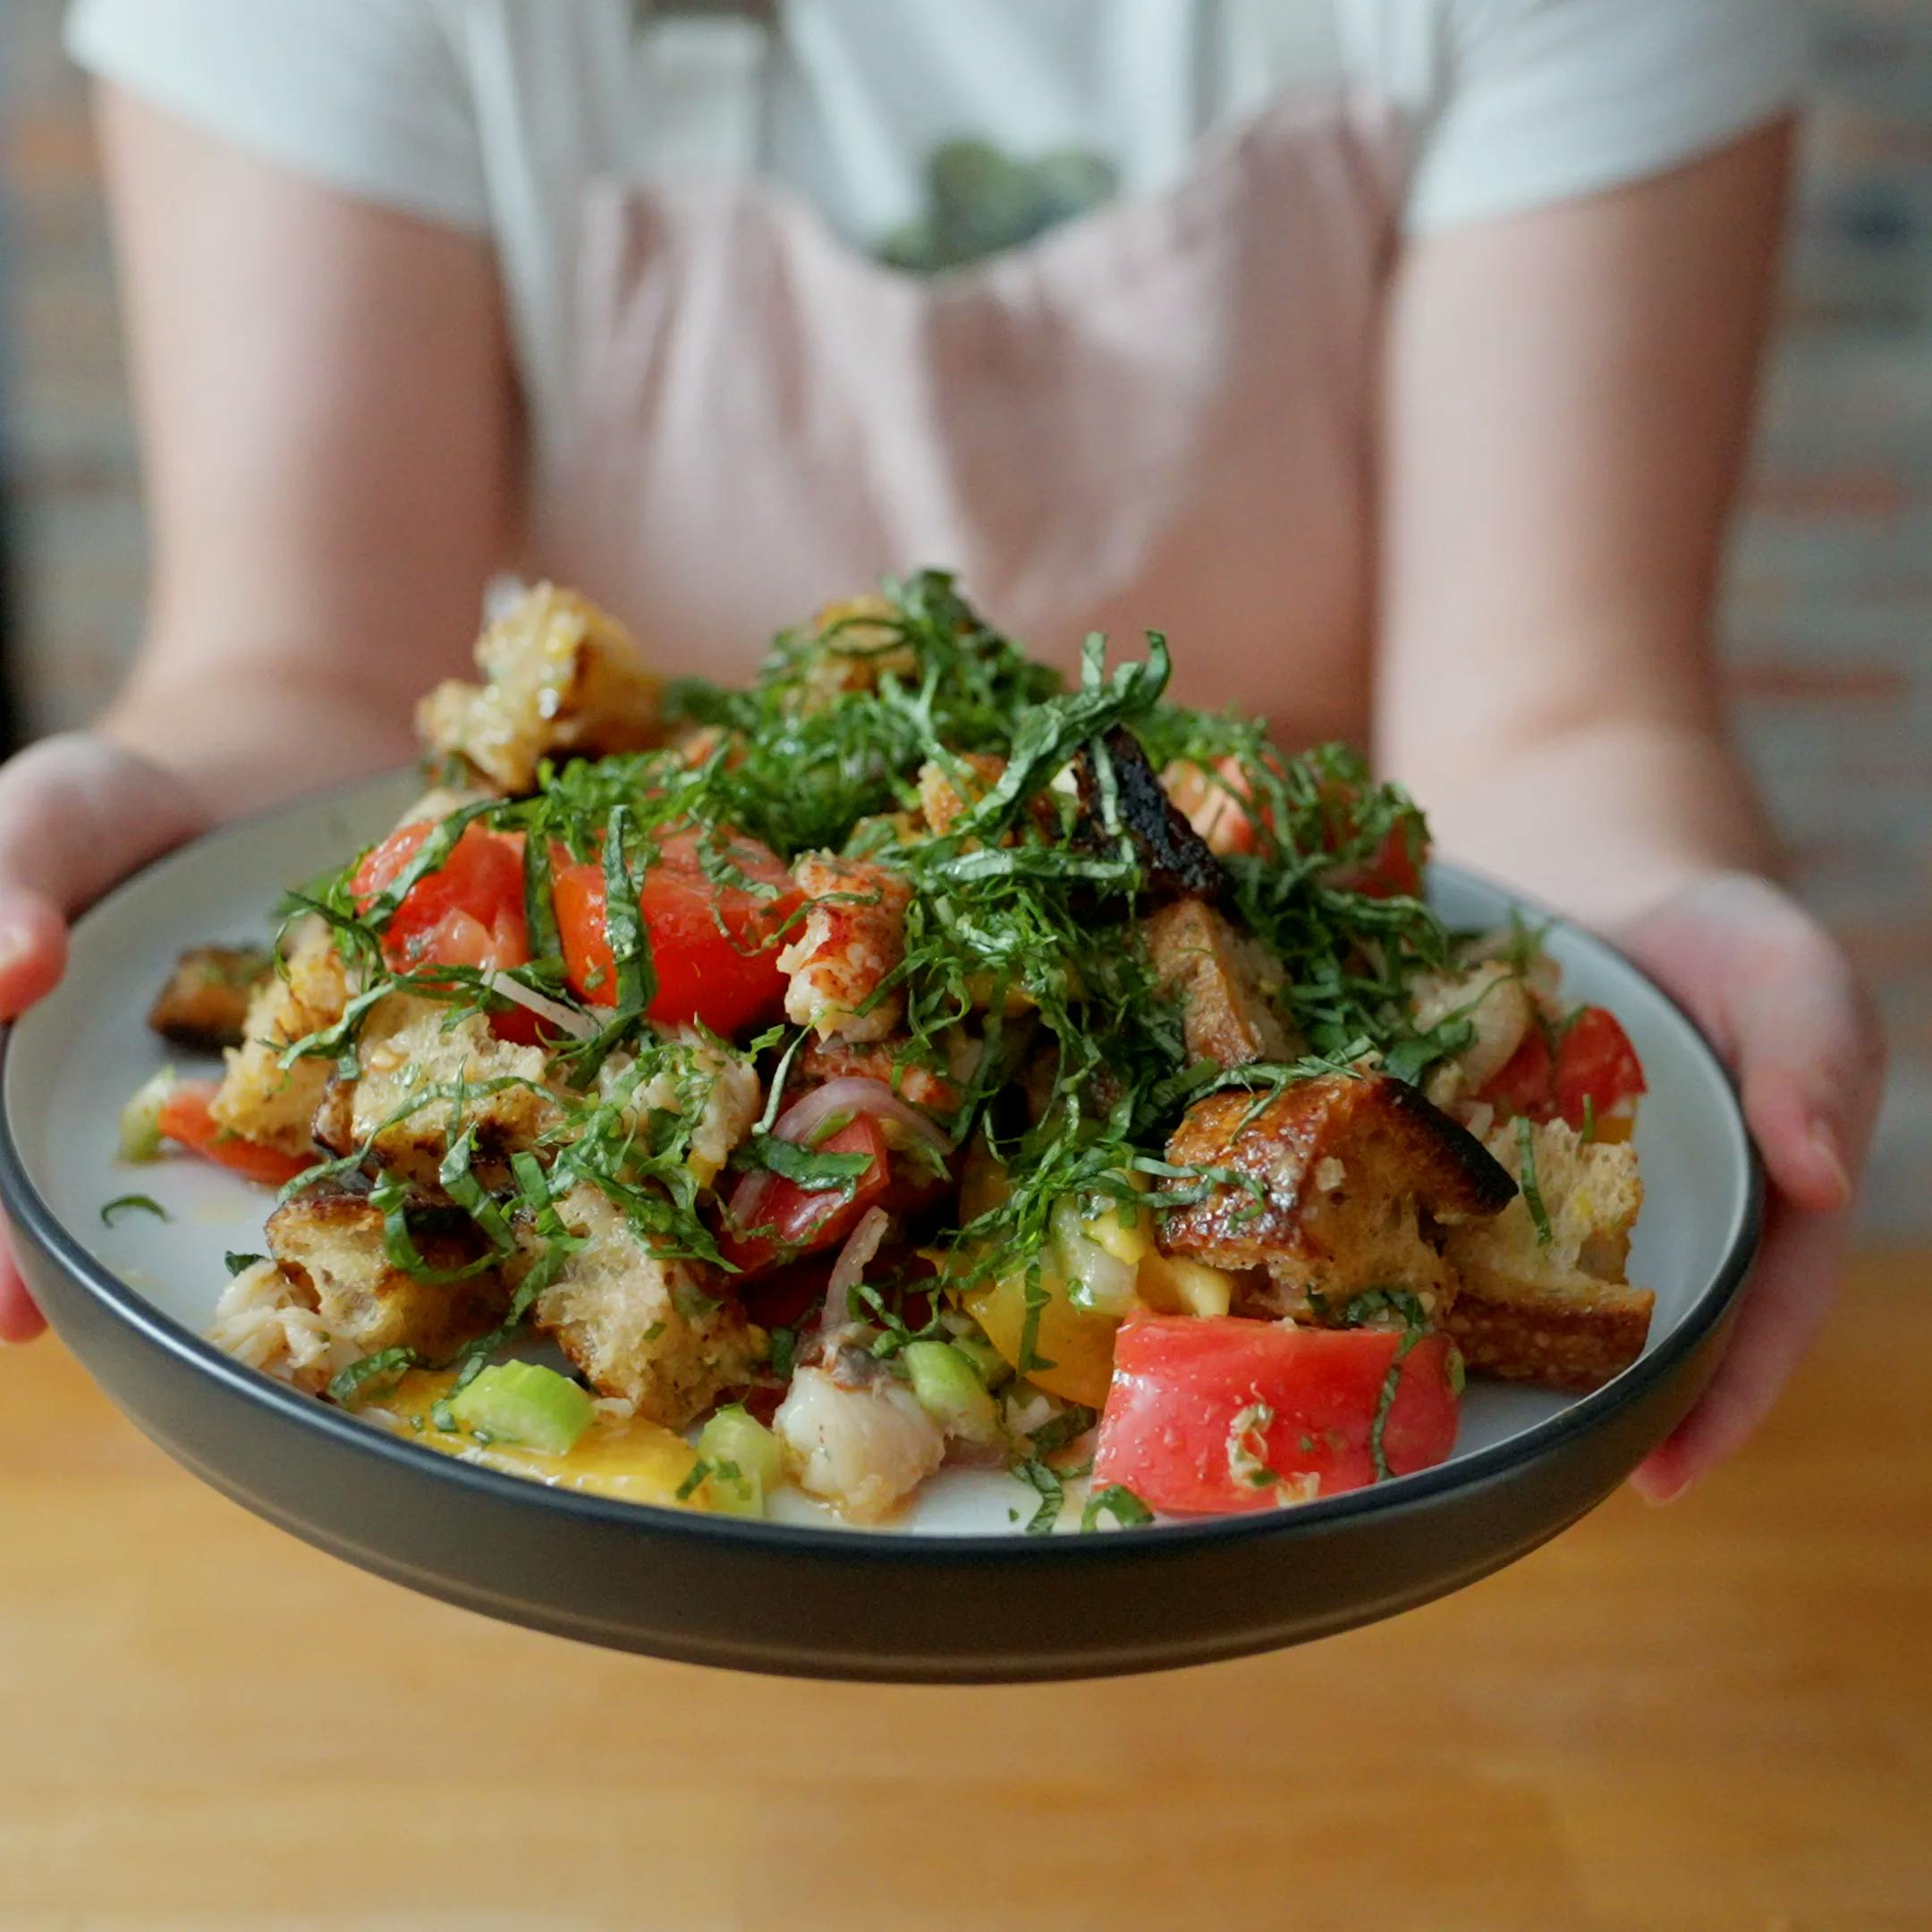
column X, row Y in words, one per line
column 809, row 1600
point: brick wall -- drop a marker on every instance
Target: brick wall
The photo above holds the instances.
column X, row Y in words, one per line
column 1828, row 619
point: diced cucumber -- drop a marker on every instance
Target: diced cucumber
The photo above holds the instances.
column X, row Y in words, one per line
column 140, row 1118
column 526, row 1402
column 745, row 1463
column 1097, row 1280
column 993, row 1367
column 950, row 1390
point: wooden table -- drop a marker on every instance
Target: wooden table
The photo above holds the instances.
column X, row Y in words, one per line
column 1718, row 1715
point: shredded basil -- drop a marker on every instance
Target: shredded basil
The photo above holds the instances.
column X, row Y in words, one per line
column 1119, row 1502
column 132, row 1204
column 1533, row 1193
column 1051, row 1491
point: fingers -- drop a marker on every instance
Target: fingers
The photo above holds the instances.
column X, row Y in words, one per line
column 1792, row 1292
column 20, row 1319
column 1810, row 1063
column 78, row 813
column 33, row 951
column 1780, row 1002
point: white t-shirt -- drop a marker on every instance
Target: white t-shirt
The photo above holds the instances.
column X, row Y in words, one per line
column 491, row 115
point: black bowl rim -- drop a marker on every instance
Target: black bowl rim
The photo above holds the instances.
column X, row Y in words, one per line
column 28, row 1209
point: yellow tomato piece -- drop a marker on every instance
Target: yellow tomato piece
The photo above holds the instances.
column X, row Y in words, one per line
column 1171, row 1285
column 1078, row 1343
column 628, row 1458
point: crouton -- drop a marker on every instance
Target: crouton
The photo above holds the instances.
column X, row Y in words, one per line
column 849, row 648
column 1561, row 1312
column 417, row 1049
column 1224, row 981
column 329, row 1242
column 640, row 1327
column 852, row 939
column 258, row 1100
column 204, row 1005
column 718, row 1091
column 562, row 679
column 1356, row 1174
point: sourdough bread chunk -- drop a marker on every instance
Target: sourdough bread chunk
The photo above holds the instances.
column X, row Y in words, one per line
column 258, row 1099
column 414, row 1051
column 1224, row 982
column 649, row 1329
column 1559, row 1312
column 330, row 1243
column 1354, row 1174
column 561, row 679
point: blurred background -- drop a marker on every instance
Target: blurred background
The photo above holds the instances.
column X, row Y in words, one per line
column 1828, row 618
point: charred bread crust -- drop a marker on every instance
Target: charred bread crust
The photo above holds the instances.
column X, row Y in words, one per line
column 1370, row 1119
column 1575, row 1340
column 1176, row 861
column 330, row 1243
column 204, row 1004
column 1353, row 1177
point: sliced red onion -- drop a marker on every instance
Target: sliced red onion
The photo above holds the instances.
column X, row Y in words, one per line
column 579, row 1026
column 847, row 1271
column 856, row 1093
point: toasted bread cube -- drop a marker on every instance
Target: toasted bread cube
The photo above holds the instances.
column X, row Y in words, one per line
column 1354, row 1176
column 329, row 1241
column 1561, row 1312
column 410, row 1049
column 1224, row 980
column 562, row 678
column 204, row 1005
column 650, row 1330
column 258, row 1099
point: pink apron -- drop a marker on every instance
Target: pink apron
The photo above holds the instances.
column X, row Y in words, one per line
column 1157, row 414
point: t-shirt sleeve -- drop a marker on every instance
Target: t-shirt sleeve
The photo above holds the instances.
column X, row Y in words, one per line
column 365, row 96
column 1541, row 101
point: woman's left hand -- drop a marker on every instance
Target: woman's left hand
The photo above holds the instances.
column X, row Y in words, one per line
column 1779, row 1001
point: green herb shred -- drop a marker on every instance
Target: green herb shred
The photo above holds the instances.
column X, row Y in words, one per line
column 132, row 1203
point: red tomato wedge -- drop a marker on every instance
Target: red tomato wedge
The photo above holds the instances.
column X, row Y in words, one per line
column 715, row 951
column 184, row 1117
column 1214, row 1415
column 1594, row 1063
column 468, row 912
column 772, row 1220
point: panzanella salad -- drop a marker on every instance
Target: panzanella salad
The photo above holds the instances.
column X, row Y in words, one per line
column 909, row 1061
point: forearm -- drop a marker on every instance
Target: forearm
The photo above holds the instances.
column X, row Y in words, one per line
column 1601, row 820
column 255, row 733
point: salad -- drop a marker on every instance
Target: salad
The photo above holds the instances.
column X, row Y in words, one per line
column 910, row 1062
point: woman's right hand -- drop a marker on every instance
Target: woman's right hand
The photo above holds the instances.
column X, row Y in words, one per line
column 77, row 813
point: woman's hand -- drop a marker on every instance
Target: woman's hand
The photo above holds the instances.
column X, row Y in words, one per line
column 1778, row 1000
column 77, row 813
